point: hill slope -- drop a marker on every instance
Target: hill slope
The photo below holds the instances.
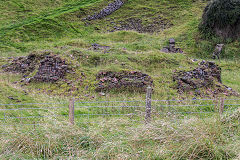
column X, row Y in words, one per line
column 37, row 34
column 61, row 29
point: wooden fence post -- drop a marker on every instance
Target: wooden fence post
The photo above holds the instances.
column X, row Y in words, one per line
column 216, row 101
column 221, row 107
column 148, row 105
column 71, row 112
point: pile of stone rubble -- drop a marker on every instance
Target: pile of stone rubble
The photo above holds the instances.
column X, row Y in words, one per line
column 206, row 76
column 49, row 68
column 126, row 80
column 22, row 65
column 112, row 7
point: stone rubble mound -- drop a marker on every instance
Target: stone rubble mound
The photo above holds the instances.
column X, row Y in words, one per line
column 206, row 76
column 112, row 7
column 49, row 68
column 22, row 65
column 129, row 80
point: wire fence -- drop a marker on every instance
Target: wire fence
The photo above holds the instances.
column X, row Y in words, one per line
column 77, row 112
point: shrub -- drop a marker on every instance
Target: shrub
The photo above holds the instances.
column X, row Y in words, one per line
column 221, row 18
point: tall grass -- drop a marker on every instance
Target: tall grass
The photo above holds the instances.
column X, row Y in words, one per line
column 119, row 138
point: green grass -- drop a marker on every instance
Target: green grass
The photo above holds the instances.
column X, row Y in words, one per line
column 118, row 138
column 28, row 26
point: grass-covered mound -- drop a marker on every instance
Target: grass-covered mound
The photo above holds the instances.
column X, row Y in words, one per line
column 222, row 18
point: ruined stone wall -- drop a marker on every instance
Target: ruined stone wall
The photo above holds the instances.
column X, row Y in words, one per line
column 127, row 80
column 203, row 80
column 50, row 68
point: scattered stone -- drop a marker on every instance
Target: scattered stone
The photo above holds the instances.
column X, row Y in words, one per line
column 171, row 48
column 4, row 66
column 217, row 51
column 87, row 95
column 206, row 76
column 13, row 99
column 28, row 80
column 154, row 25
column 97, row 47
column 102, row 94
column 112, row 7
column 129, row 80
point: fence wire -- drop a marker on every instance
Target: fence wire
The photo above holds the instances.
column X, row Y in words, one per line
column 87, row 112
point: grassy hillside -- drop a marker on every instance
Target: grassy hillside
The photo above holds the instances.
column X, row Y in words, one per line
column 60, row 29
column 29, row 26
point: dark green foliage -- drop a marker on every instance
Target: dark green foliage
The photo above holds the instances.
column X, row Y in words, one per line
column 222, row 18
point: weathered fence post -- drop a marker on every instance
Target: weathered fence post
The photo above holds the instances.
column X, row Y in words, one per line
column 71, row 112
column 4, row 117
column 216, row 101
column 221, row 107
column 148, row 104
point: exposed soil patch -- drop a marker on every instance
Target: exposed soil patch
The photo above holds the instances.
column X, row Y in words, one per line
column 129, row 80
column 207, row 76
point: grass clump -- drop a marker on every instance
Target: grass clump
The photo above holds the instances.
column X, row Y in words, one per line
column 50, row 141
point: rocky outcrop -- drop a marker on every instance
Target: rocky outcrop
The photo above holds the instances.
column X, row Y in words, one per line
column 125, row 80
column 112, row 7
column 206, row 76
